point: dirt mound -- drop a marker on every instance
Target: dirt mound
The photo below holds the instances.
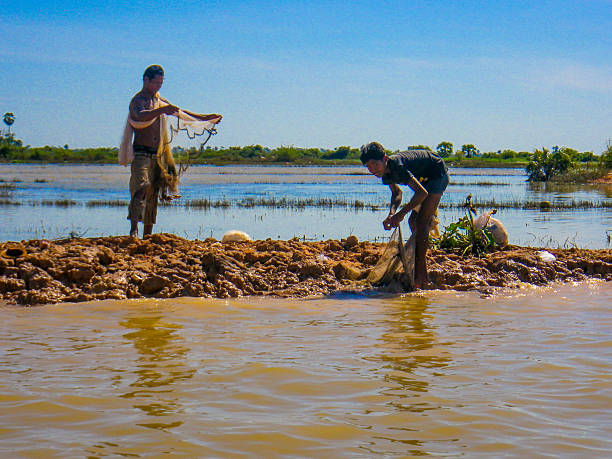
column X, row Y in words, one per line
column 165, row 266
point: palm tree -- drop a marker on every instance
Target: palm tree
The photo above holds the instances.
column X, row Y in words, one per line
column 8, row 119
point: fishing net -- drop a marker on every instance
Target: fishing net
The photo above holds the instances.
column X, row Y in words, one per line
column 395, row 263
column 191, row 125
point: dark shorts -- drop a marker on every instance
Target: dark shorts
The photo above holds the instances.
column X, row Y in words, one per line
column 437, row 185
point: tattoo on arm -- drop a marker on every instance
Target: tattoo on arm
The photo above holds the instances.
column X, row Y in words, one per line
column 138, row 105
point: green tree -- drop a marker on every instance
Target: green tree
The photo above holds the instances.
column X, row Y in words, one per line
column 469, row 150
column 286, row 154
column 508, row 154
column 444, row 149
column 544, row 165
column 418, row 147
column 8, row 119
column 9, row 145
column 339, row 153
column 573, row 154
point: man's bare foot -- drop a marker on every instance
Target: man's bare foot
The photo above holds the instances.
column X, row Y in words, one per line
column 421, row 283
column 428, row 285
column 134, row 234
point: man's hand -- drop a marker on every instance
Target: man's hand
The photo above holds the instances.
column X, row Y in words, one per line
column 393, row 220
column 169, row 109
column 215, row 118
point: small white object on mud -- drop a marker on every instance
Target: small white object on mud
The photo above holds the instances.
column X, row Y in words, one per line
column 546, row 256
column 235, row 236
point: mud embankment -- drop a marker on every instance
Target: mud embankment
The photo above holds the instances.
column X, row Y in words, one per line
column 166, row 266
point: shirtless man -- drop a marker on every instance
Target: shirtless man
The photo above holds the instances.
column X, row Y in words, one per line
column 426, row 174
column 145, row 178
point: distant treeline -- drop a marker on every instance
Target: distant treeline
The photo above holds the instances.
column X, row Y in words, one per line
column 13, row 150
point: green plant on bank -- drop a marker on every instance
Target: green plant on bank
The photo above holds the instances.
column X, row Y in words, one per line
column 463, row 237
column 580, row 173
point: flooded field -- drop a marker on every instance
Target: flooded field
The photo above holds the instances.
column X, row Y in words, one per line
column 521, row 373
column 52, row 201
column 443, row 374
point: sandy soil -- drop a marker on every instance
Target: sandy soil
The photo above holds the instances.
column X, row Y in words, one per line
column 165, row 266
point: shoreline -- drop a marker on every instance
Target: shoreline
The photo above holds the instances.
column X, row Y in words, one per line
column 460, row 164
column 168, row 266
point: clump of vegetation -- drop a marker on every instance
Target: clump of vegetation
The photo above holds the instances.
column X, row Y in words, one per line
column 568, row 165
column 544, row 165
column 444, row 149
column 463, row 237
column 605, row 160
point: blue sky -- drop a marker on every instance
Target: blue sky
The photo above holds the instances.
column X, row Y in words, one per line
column 498, row 74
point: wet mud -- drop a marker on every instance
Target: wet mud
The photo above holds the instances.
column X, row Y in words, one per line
column 167, row 266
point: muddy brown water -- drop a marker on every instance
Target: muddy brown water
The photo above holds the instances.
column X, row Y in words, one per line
column 444, row 374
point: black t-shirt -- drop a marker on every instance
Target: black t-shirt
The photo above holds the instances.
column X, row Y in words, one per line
column 421, row 164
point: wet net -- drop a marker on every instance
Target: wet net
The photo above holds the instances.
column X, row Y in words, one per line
column 191, row 124
column 396, row 262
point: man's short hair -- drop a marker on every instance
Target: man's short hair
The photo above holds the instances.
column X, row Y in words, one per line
column 152, row 71
column 373, row 150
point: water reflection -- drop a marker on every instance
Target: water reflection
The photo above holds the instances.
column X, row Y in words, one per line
column 160, row 366
column 412, row 357
column 578, row 191
column 409, row 346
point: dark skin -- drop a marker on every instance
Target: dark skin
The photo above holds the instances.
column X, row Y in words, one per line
column 144, row 106
column 420, row 219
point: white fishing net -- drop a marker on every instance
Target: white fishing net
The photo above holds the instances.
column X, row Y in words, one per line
column 189, row 123
column 185, row 122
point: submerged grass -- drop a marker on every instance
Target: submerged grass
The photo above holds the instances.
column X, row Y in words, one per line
column 54, row 203
column 205, row 204
column 480, row 184
column 107, row 203
column 300, row 203
column 543, row 205
column 323, row 203
column 8, row 202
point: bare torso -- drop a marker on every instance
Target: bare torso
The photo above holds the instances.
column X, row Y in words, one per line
column 148, row 136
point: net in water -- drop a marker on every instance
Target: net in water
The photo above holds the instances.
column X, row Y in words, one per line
column 396, row 263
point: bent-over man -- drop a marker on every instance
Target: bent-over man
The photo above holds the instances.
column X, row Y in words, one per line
column 426, row 174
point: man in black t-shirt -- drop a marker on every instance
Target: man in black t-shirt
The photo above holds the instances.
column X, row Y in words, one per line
column 426, row 174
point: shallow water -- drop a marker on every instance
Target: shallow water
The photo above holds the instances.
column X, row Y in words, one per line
column 590, row 228
column 442, row 374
